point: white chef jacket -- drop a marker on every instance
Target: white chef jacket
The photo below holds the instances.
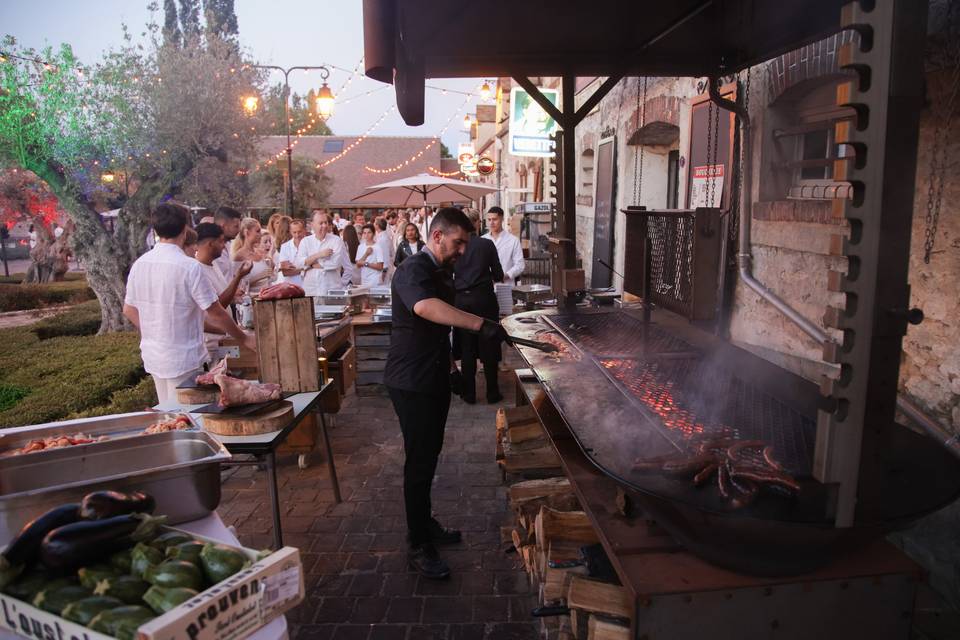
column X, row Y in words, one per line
column 171, row 293
column 325, row 273
column 288, row 253
column 510, row 253
column 370, row 277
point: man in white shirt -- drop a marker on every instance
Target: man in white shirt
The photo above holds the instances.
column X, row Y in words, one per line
column 369, row 259
column 384, row 240
column 57, row 230
column 288, row 253
column 229, row 220
column 210, row 246
column 320, row 255
column 338, row 221
column 167, row 295
column 508, row 246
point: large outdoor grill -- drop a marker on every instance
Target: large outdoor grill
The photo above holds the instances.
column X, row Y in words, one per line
column 661, row 389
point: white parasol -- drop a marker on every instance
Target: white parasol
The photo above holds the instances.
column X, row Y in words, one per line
column 424, row 189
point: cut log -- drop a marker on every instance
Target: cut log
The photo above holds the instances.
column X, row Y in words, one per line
column 529, row 459
column 525, row 432
column 574, row 526
column 602, row 629
column 578, row 623
column 510, row 417
column 536, row 488
column 599, row 597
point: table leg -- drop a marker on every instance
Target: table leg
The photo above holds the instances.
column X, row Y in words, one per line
column 275, row 500
column 330, row 466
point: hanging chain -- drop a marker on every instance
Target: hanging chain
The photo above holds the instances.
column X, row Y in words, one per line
column 636, row 153
column 939, row 154
column 643, row 123
column 709, row 150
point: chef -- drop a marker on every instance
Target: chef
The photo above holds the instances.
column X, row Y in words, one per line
column 320, row 255
column 417, row 375
column 167, row 295
column 508, row 246
column 369, row 258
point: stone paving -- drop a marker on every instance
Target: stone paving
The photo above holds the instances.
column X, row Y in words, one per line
column 358, row 582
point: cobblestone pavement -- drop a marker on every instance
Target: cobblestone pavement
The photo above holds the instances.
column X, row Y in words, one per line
column 358, row 582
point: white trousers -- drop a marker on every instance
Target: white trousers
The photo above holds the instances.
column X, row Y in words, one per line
column 167, row 387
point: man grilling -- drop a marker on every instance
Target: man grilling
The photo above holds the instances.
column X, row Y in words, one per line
column 475, row 274
column 417, row 374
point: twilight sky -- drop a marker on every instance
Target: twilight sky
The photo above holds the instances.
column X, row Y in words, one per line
column 280, row 32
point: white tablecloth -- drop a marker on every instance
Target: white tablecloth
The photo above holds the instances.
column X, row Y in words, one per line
column 212, row 527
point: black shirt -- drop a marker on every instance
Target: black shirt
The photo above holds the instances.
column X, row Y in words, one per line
column 479, row 266
column 419, row 358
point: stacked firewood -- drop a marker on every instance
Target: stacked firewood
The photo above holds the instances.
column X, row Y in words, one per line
column 551, row 534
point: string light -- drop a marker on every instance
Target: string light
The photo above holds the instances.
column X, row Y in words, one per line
column 353, row 145
column 443, row 174
column 434, row 141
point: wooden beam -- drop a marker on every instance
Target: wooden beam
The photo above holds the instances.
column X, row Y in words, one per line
column 541, row 99
column 597, row 96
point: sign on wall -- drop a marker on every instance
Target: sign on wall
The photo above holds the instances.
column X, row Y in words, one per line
column 706, row 186
column 531, row 126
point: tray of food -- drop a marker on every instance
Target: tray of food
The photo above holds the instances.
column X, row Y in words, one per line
column 180, row 467
column 106, row 567
column 70, row 433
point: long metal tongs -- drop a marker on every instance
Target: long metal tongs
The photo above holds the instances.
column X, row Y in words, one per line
column 536, row 344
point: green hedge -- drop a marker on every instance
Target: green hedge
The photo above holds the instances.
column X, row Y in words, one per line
column 81, row 320
column 20, row 297
column 136, row 398
column 66, row 375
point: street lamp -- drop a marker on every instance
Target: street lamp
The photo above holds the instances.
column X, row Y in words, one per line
column 250, row 104
column 324, row 105
column 467, row 122
column 107, row 177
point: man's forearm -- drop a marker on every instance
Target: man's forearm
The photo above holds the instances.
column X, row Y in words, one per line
column 227, row 295
column 133, row 315
column 220, row 319
column 438, row 311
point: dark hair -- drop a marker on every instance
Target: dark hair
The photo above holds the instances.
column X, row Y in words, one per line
column 227, row 213
column 208, row 231
column 368, row 226
column 169, row 219
column 415, row 228
column 350, row 239
column 449, row 217
column 382, row 224
column 191, row 237
column 391, row 214
column 496, row 210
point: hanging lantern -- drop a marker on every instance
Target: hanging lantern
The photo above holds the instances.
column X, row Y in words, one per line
column 485, row 90
column 467, row 122
column 250, row 104
column 325, row 101
column 107, row 177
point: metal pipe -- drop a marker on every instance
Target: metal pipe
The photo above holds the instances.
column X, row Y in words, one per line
column 744, row 264
column 931, row 426
column 744, row 256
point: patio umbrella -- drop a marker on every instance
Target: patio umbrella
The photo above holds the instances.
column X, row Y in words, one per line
column 423, row 189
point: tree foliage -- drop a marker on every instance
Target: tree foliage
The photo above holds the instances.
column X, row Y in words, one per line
column 155, row 111
column 303, row 116
column 311, row 186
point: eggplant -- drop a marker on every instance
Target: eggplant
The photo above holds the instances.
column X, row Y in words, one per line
column 88, row 541
column 23, row 549
column 108, row 504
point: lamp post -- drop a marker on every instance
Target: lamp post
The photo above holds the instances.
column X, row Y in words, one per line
column 325, row 100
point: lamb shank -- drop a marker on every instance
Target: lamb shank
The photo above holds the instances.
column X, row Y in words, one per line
column 234, row 391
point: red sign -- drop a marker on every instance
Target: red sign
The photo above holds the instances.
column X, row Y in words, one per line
column 485, row 165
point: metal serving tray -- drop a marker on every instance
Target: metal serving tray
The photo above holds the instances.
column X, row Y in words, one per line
column 113, row 426
column 180, row 469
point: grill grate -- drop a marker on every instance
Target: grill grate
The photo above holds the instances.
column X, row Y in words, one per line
column 671, row 264
column 693, row 398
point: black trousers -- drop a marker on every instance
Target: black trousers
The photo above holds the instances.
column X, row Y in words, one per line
column 423, row 418
column 481, row 302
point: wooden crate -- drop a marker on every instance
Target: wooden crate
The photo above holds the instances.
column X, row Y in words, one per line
column 343, row 369
column 287, row 343
column 304, row 437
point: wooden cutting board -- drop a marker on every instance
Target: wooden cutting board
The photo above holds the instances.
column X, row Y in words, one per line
column 198, row 395
column 271, row 419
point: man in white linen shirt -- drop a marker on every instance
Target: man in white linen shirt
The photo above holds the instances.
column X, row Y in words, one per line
column 167, row 295
column 384, row 240
column 288, row 253
column 508, row 246
column 229, row 220
column 320, row 255
column 369, row 258
column 210, row 246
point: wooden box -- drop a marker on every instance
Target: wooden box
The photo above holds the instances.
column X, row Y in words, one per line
column 343, row 369
column 303, row 438
column 287, row 343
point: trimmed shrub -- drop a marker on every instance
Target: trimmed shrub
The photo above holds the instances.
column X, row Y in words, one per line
column 20, row 297
column 81, row 320
column 136, row 398
column 10, row 395
column 67, row 374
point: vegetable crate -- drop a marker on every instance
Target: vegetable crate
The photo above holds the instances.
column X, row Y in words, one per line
column 230, row 609
column 287, row 343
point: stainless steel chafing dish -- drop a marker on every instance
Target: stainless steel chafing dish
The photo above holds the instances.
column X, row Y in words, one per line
column 181, row 469
column 379, row 296
column 354, row 298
